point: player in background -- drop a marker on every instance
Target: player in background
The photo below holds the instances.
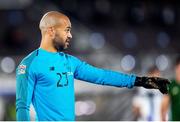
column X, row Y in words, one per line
column 147, row 103
column 172, row 99
column 45, row 77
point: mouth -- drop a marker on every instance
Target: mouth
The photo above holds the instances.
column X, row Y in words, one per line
column 67, row 42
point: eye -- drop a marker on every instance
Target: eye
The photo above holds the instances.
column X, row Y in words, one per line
column 68, row 30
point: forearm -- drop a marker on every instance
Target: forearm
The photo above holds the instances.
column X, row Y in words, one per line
column 112, row 78
column 164, row 113
column 164, row 107
column 22, row 106
column 22, row 114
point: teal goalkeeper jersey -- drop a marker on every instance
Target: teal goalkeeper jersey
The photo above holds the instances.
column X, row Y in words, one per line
column 46, row 79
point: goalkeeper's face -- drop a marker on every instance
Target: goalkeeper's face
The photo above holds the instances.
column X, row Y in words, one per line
column 62, row 35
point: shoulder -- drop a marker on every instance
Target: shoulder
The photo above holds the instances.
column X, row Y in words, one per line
column 71, row 57
column 73, row 60
column 30, row 58
column 27, row 62
column 172, row 85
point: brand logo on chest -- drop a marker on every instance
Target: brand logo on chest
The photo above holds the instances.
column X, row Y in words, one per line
column 52, row 68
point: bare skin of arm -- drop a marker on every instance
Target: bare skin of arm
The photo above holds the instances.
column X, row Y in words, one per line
column 136, row 112
column 164, row 107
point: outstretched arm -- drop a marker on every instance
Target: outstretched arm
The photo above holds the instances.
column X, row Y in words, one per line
column 104, row 77
column 96, row 75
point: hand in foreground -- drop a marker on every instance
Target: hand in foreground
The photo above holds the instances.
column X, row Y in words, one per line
column 153, row 83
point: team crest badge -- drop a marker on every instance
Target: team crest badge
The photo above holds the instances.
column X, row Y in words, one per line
column 22, row 69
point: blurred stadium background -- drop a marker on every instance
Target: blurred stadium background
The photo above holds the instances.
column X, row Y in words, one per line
column 123, row 35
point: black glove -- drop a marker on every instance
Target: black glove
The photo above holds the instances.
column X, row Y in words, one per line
column 153, row 83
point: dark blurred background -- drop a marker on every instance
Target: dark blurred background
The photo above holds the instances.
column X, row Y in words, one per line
column 123, row 35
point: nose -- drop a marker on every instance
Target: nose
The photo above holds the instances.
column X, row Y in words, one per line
column 70, row 35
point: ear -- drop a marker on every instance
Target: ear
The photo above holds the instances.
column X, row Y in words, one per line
column 51, row 32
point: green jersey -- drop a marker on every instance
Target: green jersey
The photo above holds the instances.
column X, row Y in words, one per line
column 174, row 92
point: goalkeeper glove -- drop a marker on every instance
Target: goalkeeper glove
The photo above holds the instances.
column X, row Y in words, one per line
column 153, row 83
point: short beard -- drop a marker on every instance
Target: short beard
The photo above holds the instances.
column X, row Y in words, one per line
column 59, row 47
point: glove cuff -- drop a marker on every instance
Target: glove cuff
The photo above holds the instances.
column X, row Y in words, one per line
column 139, row 81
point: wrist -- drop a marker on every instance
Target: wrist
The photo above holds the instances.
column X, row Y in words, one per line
column 139, row 81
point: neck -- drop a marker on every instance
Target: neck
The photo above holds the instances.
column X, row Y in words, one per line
column 47, row 45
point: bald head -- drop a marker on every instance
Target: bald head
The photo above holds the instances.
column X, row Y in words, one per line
column 51, row 19
column 56, row 31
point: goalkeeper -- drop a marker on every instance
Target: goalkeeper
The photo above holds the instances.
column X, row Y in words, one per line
column 45, row 77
